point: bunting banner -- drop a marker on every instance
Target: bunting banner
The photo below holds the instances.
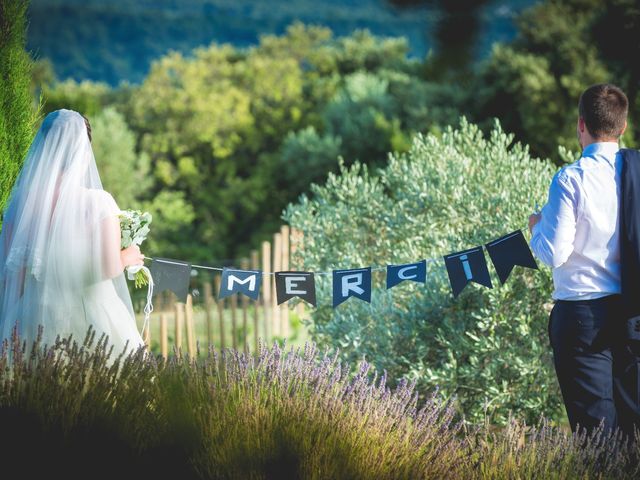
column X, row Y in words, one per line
column 246, row 282
column 295, row 284
column 509, row 251
column 169, row 274
column 467, row 266
column 416, row 272
column 462, row 267
column 351, row 283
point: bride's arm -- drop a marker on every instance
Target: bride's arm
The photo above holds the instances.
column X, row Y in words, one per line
column 115, row 260
column 111, row 259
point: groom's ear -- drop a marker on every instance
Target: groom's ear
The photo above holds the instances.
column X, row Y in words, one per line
column 581, row 124
column 624, row 128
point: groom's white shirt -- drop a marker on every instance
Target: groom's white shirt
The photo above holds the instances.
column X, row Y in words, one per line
column 578, row 234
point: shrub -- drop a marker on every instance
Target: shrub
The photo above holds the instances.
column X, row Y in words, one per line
column 448, row 193
column 16, row 109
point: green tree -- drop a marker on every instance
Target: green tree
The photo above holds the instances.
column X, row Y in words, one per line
column 616, row 30
column 86, row 97
column 563, row 46
column 362, row 115
column 205, row 122
column 453, row 191
column 16, row 109
column 305, row 158
column 217, row 126
column 123, row 172
column 237, row 134
column 172, row 218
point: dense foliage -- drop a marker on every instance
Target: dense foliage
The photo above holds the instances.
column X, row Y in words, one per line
column 72, row 410
column 243, row 133
column 16, row 103
column 448, row 193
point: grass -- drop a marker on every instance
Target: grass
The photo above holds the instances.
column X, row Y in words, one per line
column 75, row 410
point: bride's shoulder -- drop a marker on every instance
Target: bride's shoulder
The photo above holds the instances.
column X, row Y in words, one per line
column 98, row 195
column 105, row 201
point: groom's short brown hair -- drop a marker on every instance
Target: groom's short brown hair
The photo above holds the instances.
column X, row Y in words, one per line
column 604, row 108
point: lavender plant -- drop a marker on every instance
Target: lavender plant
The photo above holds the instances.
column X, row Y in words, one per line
column 279, row 414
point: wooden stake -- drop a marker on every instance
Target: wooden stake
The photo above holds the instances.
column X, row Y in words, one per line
column 234, row 320
column 179, row 309
column 245, row 307
column 277, row 266
column 220, row 308
column 208, row 303
column 191, row 339
column 164, row 336
column 256, row 335
column 266, row 288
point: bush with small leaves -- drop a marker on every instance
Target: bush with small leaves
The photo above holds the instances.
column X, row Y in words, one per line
column 448, row 193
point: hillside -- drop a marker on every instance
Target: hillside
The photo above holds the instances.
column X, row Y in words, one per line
column 117, row 40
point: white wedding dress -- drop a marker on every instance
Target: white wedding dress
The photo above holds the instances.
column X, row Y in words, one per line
column 60, row 263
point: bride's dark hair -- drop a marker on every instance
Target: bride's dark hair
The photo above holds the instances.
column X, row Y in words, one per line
column 86, row 122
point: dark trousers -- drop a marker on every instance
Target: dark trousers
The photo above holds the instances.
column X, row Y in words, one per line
column 596, row 364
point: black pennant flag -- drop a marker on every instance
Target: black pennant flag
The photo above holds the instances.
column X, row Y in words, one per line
column 509, row 251
column 351, row 283
column 295, row 284
column 467, row 266
column 171, row 275
column 409, row 271
column 246, row 282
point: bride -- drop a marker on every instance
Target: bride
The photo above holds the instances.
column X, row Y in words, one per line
column 61, row 266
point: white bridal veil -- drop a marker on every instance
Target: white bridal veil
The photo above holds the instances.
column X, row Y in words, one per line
column 60, row 244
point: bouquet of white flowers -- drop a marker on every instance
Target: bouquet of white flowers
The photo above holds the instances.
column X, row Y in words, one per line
column 134, row 227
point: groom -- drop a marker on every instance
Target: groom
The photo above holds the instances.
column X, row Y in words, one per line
column 577, row 233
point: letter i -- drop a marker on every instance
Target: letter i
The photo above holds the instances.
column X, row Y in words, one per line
column 466, row 266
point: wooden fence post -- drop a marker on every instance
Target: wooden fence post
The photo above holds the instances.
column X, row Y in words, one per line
column 255, row 266
column 164, row 340
column 277, row 266
column 233, row 299
column 191, row 339
column 208, row 301
column 266, row 288
column 179, row 309
column 245, row 307
column 220, row 308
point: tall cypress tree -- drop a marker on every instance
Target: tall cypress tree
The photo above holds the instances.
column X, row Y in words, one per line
column 16, row 111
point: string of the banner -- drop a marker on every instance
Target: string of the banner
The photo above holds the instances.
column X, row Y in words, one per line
column 373, row 269
column 132, row 270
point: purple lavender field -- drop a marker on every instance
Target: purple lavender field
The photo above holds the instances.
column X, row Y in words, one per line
column 280, row 414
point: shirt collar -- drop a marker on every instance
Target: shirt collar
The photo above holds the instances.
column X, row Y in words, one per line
column 606, row 149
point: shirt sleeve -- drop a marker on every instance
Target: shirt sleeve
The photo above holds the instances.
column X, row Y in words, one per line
column 553, row 236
